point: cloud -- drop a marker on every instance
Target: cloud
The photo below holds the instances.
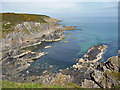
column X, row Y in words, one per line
column 61, row 9
column 44, row 7
column 60, row 0
column 56, row 5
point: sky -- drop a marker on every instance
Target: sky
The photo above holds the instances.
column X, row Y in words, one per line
column 63, row 9
column 59, row 0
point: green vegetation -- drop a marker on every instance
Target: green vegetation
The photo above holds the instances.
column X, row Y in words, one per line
column 8, row 84
column 19, row 18
column 114, row 74
column 72, row 85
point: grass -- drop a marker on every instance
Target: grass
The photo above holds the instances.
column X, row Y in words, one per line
column 19, row 18
column 72, row 85
column 8, row 84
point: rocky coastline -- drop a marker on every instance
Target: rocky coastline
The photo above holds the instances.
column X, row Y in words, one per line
column 86, row 73
column 29, row 32
column 18, row 35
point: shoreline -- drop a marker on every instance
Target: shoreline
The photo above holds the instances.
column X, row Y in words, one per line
column 16, row 60
column 14, row 43
column 66, row 74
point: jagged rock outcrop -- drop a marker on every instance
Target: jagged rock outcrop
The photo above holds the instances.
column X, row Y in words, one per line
column 93, row 55
column 87, row 72
column 26, row 29
column 112, row 63
column 106, row 75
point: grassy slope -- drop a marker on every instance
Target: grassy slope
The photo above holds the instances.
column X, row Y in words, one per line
column 7, row 84
column 14, row 19
column 18, row 18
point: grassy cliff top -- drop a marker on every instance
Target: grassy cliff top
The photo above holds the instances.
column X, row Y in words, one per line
column 10, row 20
column 8, row 84
column 19, row 18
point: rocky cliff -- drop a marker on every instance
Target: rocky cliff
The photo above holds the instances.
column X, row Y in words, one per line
column 26, row 29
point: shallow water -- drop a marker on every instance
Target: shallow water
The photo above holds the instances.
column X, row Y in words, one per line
column 63, row 55
column 99, row 24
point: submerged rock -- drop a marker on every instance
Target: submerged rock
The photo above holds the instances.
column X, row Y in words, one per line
column 64, row 41
column 66, row 28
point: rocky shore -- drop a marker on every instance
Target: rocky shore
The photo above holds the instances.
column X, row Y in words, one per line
column 29, row 31
column 86, row 73
column 93, row 55
column 21, row 31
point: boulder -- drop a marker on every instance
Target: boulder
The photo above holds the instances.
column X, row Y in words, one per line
column 89, row 84
column 113, row 63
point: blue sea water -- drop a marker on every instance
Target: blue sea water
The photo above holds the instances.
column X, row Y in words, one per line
column 99, row 25
column 63, row 55
column 97, row 19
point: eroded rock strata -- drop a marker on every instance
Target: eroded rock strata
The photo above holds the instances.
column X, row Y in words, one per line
column 20, row 31
column 31, row 31
column 85, row 74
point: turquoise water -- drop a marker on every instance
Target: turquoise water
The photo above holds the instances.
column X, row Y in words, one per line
column 97, row 19
column 100, row 26
column 63, row 55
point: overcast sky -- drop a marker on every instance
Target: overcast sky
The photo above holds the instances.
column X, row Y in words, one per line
column 66, row 9
column 59, row 0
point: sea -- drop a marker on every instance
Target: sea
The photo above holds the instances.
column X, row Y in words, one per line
column 95, row 31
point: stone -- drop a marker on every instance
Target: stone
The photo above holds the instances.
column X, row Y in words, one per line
column 81, row 60
column 45, row 71
column 89, row 84
column 47, row 46
column 27, row 72
column 61, row 79
column 64, row 41
column 50, row 66
column 112, row 63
